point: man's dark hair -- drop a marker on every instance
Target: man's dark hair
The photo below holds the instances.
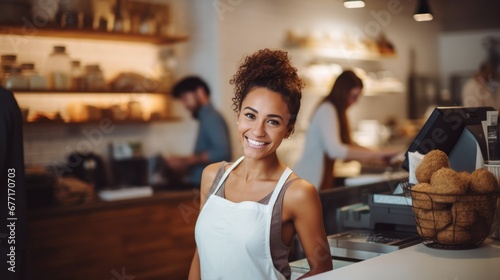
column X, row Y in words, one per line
column 189, row 84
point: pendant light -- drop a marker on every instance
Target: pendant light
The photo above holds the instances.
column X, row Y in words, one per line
column 423, row 12
column 351, row 4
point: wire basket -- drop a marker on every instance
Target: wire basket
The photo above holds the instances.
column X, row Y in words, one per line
column 453, row 221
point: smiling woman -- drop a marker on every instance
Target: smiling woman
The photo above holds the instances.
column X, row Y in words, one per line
column 263, row 123
column 252, row 209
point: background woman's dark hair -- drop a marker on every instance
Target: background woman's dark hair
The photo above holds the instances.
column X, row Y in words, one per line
column 269, row 69
column 338, row 96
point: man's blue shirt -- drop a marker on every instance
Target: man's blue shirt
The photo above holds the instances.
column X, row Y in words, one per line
column 213, row 137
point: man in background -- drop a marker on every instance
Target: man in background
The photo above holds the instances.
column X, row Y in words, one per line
column 482, row 89
column 212, row 142
column 13, row 224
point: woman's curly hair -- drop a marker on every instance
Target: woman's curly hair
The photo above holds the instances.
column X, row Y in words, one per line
column 269, row 69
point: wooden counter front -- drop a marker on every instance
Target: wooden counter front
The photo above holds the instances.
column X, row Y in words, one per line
column 144, row 238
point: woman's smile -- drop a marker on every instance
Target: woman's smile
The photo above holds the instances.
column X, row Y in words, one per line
column 255, row 143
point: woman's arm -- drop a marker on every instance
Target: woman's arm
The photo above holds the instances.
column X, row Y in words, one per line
column 302, row 200
column 362, row 153
column 194, row 271
column 207, row 178
column 333, row 146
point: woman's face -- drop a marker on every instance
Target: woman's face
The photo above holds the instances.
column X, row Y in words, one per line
column 353, row 95
column 263, row 122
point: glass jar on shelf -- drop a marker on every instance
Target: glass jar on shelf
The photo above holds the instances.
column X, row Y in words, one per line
column 7, row 61
column 77, row 76
column 122, row 20
column 35, row 80
column 75, row 14
column 94, row 78
column 166, row 68
column 14, row 79
column 59, row 69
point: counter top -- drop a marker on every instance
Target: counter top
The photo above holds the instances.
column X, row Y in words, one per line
column 420, row 262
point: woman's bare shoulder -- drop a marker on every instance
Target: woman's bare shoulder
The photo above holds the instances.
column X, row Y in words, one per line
column 301, row 189
column 209, row 174
column 211, row 169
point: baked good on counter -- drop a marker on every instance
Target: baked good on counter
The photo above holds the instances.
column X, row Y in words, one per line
column 422, row 199
column 464, row 213
column 432, row 162
column 453, row 234
column 483, row 181
column 453, row 208
column 446, row 181
column 434, row 219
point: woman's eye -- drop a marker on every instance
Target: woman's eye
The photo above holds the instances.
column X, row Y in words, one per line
column 250, row 116
column 274, row 122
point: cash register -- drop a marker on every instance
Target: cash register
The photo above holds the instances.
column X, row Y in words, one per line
column 386, row 223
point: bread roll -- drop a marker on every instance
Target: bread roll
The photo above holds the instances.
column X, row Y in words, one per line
column 432, row 162
column 483, row 181
column 422, row 197
column 447, row 184
column 454, row 235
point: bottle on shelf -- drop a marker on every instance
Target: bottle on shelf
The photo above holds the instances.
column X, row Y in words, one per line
column 77, row 77
column 166, row 69
column 94, row 78
column 14, row 79
column 35, row 80
column 7, row 61
column 75, row 14
column 122, row 21
column 59, row 69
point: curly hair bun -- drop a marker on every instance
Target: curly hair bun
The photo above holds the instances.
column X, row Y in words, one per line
column 271, row 69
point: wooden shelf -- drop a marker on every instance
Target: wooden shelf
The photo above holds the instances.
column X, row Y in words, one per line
column 117, row 122
column 325, row 54
column 91, row 34
column 48, row 91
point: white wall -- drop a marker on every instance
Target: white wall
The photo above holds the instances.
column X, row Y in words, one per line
column 462, row 52
column 246, row 26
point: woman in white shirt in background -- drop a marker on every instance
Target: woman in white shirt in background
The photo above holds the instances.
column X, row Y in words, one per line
column 328, row 136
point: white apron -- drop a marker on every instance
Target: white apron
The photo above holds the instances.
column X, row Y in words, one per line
column 233, row 239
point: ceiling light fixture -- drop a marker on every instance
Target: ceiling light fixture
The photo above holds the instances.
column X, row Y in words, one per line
column 351, row 4
column 423, row 12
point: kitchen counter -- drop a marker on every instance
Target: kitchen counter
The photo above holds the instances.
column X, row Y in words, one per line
column 420, row 262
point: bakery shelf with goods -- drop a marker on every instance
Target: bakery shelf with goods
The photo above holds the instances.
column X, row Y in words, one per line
column 90, row 60
column 75, row 108
column 110, row 84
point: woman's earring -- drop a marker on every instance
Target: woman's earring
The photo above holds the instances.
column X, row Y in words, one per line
column 237, row 122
